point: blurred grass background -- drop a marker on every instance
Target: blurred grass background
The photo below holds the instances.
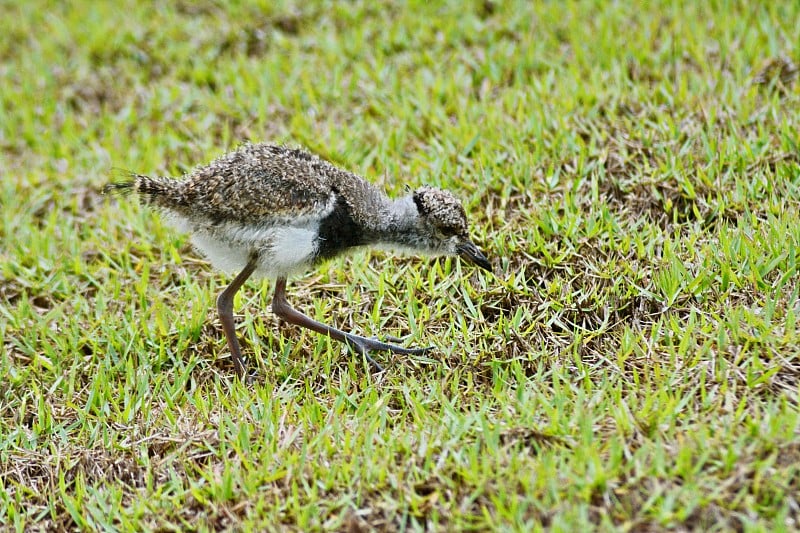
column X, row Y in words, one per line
column 631, row 170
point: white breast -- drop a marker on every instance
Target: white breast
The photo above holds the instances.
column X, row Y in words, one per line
column 289, row 249
column 283, row 248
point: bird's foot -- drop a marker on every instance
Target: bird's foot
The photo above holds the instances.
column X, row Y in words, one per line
column 390, row 338
column 375, row 344
column 363, row 345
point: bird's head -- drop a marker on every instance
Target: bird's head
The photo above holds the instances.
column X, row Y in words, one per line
column 445, row 224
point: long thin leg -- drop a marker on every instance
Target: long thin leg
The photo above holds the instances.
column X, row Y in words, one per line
column 361, row 344
column 225, row 309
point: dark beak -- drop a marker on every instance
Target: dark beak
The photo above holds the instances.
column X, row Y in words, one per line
column 470, row 253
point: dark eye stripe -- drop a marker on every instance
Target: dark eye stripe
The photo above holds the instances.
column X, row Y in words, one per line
column 449, row 231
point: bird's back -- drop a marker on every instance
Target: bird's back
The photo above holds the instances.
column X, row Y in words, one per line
column 255, row 183
column 259, row 183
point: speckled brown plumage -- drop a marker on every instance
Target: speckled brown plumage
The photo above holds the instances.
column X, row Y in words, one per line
column 441, row 206
column 259, row 181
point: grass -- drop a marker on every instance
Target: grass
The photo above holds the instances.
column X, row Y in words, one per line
column 632, row 171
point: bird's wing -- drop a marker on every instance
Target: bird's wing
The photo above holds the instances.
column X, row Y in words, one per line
column 262, row 182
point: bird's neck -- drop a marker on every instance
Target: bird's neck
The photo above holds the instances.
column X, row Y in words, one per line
column 398, row 226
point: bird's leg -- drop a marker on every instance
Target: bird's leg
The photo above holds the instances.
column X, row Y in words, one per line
column 361, row 344
column 225, row 308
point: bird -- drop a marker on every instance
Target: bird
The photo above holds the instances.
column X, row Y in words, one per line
column 272, row 210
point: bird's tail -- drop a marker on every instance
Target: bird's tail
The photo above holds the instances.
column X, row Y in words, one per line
column 156, row 191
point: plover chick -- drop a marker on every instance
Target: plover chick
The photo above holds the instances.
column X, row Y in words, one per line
column 269, row 210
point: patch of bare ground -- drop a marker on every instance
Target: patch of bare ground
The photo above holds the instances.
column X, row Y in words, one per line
column 777, row 74
column 628, row 161
column 144, row 457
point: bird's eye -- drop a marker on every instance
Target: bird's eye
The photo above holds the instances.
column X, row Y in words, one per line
column 449, row 231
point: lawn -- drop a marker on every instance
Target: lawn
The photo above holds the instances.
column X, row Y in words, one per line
column 632, row 171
